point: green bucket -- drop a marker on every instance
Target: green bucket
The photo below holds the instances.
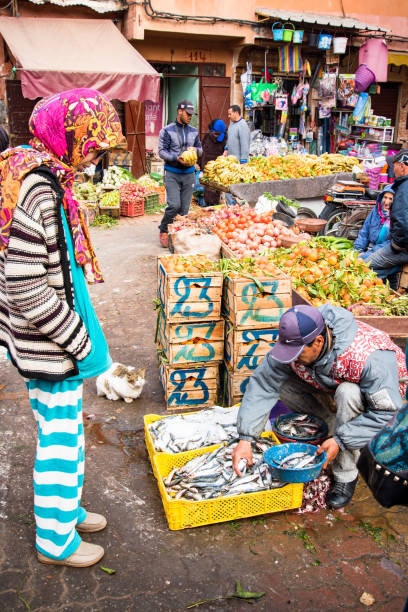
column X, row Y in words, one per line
column 287, row 32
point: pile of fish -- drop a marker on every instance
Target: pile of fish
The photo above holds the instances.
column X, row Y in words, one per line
column 297, row 461
column 186, row 432
column 211, row 475
column 300, row 427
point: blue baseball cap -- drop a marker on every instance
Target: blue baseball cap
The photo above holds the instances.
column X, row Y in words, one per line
column 298, row 326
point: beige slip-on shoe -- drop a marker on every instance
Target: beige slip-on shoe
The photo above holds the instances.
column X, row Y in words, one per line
column 93, row 522
column 85, row 555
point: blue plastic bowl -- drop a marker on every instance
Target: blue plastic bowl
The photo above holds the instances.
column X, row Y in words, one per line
column 275, row 454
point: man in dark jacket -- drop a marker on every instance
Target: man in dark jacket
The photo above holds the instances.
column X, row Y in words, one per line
column 179, row 176
column 395, row 253
column 328, row 364
column 213, row 147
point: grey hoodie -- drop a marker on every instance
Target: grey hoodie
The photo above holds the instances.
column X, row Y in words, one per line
column 378, row 384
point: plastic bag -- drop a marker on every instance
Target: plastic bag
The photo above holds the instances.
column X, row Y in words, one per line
column 192, row 242
column 265, row 204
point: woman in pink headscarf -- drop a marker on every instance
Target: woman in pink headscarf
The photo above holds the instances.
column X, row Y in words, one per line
column 47, row 322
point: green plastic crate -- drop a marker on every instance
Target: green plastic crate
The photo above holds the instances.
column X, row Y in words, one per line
column 151, row 202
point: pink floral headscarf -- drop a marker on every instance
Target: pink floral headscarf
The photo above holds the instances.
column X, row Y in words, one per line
column 65, row 127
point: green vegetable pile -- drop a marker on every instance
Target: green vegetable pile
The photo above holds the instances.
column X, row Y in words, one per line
column 86, row 191
column 110, row 199
column 105, row 222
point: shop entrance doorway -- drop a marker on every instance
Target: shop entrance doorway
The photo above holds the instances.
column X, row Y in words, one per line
column 204, row 84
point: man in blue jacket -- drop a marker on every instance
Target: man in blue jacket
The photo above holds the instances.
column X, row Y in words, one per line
column 395, row 253
column 328, row 364
column 179, row 177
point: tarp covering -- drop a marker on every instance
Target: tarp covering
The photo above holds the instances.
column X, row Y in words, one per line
column 54, row 55
column 398, row 59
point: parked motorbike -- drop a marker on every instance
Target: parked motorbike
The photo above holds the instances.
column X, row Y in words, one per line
column 347, row 205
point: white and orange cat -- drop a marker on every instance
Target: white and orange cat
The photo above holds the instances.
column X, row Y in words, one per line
column 121, row 382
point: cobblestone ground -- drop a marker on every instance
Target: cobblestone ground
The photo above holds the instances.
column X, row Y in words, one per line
column 323, row 561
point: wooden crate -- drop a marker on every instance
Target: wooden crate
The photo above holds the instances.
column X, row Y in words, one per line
column 191, row 387
column 191, row 342
column 249, row 308
column 245, row 349
column 190, row 297
column 234, row 386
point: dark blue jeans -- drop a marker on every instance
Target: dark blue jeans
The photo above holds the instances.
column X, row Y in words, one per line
column 179, row 190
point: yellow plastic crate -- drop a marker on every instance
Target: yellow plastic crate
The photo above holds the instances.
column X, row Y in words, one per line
column 183, row 514
column 151, row 418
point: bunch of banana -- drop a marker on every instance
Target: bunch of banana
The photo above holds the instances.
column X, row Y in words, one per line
column 189, row 156
column 331, row 163
column 227, row 171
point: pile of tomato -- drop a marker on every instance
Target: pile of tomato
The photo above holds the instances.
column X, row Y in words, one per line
column 248, row 233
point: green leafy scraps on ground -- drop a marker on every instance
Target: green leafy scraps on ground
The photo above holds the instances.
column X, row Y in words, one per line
column 108, row 570
column 234, row 526
column 19, row 595
column 239, row 594
column 104, row 221
column 306, row 541
column 375, row 532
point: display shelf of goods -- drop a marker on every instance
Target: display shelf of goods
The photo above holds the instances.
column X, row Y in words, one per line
column 189, row 387
column 190, row 343
column 244, row 349
column 258, row 302
column 182, row 514
column 189, row 288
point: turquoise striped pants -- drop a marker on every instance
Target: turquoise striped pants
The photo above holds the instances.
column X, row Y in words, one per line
column 59, row 465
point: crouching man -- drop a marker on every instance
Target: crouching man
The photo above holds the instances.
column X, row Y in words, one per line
column 328, row 364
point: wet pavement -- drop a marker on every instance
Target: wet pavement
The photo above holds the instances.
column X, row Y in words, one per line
column 311, row 562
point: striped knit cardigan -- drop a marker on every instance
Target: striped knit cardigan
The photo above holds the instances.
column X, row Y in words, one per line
column 44, row 335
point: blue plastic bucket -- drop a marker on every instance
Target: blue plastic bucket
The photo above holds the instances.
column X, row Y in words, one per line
column 277, row 33
column 273, row 456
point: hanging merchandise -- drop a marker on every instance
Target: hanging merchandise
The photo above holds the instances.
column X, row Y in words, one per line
column 297, row 36
column 362, row 109
column 324, row 41
column 303, row 106
column 339, row 45
column 327, row 89
column 266, row 74
column 246, row 77
column 312, row 38
column 248, row 101
column 277, row 31
column 345, row 89
column 297, row 92
column 307, row 70
column 290, row 59
column 364, row 78
column 281, row 102
column 288, row 30
column 374, row 54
